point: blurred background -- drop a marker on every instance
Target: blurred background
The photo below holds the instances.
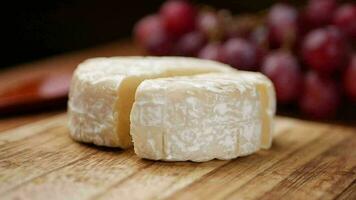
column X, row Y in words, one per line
column 307, row 48
column 36, row 29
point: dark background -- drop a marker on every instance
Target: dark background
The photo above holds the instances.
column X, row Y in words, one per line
column 34, row 29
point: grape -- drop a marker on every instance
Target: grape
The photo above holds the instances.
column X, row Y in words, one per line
column 209, row 23
column 212, row 51
column 178, row 17
column 241, row 54
column 283, row 69
column 150, row 33
column 350, row 79
column 304, row 26
column 324, row 50
column 259, row 36
column 321, row 98
column 241, row 26
column 190, row 44
column 345, row 19
column 282, row 21
column 145, row 26
column 261, row 54
column 160, row 45
column 319, row 12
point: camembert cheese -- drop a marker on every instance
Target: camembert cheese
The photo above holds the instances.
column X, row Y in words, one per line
column 199, row 118
column 103, row 89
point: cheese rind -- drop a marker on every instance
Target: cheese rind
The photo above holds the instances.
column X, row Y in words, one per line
column 267, row 98
column 196, row 118
column 103, row 89
column 90, row 110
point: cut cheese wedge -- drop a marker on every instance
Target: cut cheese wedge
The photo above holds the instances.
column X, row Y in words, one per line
column 103, row 89
column 203, row 117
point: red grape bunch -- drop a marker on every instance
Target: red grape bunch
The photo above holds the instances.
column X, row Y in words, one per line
column 307, row 52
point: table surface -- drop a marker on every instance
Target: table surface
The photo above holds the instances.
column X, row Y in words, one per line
column 308, row 160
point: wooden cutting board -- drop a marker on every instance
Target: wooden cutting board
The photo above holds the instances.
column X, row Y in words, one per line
column 38, row 160
column 308, row 160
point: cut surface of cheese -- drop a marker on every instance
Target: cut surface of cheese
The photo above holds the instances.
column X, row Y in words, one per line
column 103, row 90
column 200, row 117
column 268, row 104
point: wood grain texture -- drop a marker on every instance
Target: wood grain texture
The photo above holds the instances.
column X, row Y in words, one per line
column 19, row 120
column 348, row 193
column 308, row 160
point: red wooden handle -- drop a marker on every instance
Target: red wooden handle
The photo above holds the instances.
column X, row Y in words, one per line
column 36, row 93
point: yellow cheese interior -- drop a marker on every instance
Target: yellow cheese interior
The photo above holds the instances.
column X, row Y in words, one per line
column 123, row 109
column 266, row 121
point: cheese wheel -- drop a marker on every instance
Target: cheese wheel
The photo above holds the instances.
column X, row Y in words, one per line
column 103, row 89
column 203, row 117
